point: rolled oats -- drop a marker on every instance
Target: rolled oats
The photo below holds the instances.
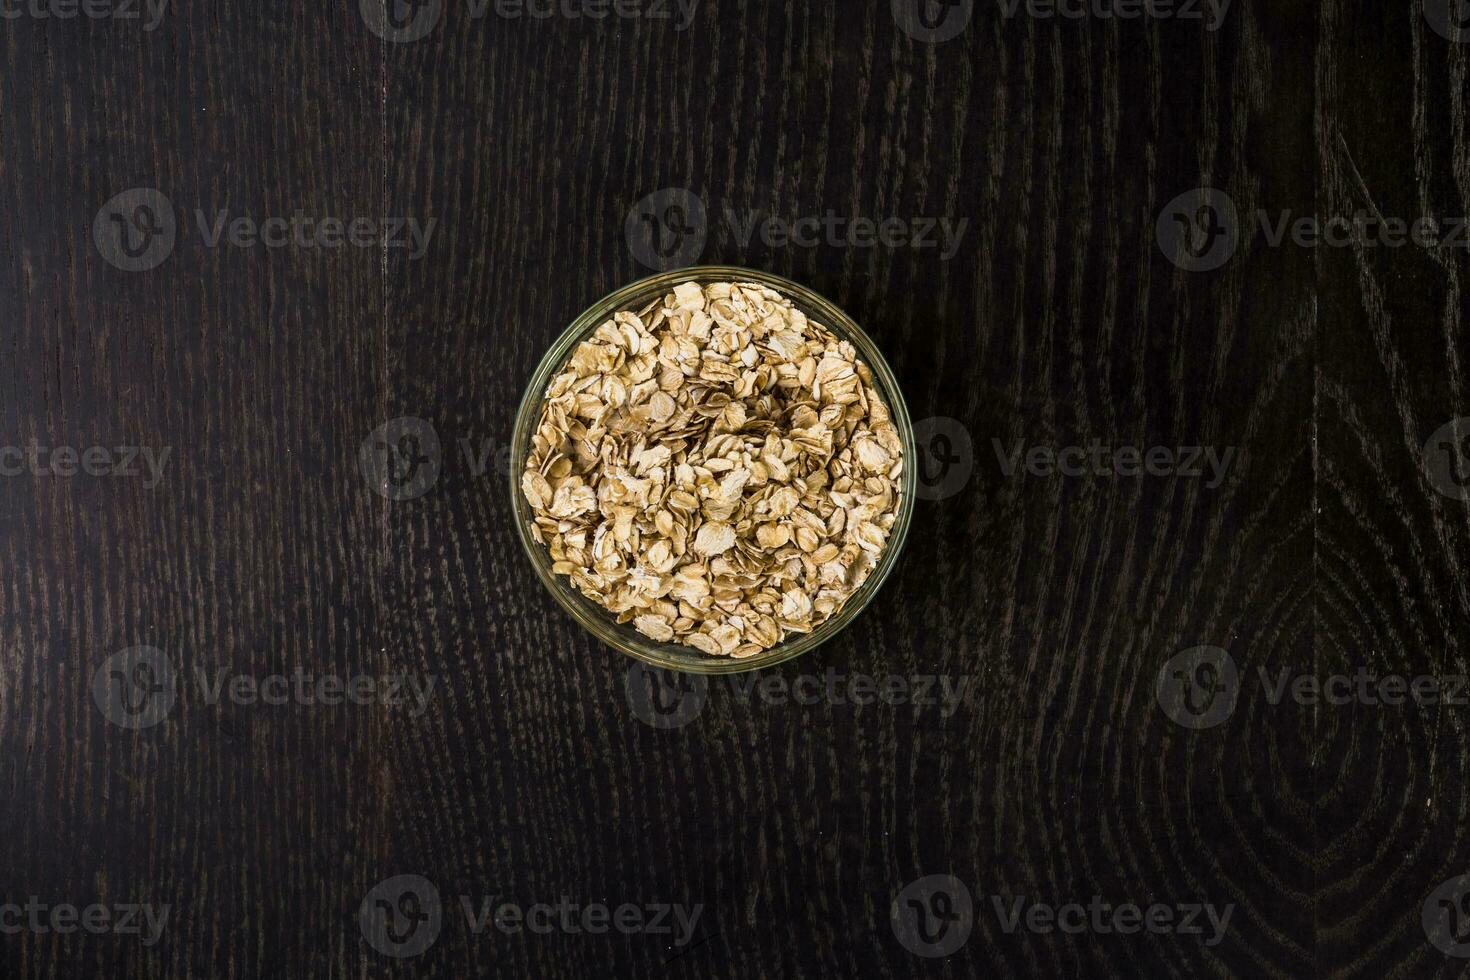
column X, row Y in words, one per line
column 715, row 468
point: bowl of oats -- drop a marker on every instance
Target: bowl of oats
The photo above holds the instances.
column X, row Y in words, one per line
column 713, row 470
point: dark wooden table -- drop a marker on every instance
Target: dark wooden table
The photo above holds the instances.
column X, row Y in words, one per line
column 1107, row 280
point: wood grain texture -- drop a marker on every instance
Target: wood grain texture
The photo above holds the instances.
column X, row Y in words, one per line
column 257, row 551
column 1057, row 321
column 1391, row 571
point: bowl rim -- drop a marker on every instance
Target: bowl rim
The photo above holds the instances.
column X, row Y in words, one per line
column 672, row 656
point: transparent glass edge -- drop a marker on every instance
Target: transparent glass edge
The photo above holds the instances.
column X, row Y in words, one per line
column 671, row 656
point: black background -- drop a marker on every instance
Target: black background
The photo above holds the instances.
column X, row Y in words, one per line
column 1059, row 320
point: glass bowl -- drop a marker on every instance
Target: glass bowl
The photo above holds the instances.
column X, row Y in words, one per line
column 598, row 621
